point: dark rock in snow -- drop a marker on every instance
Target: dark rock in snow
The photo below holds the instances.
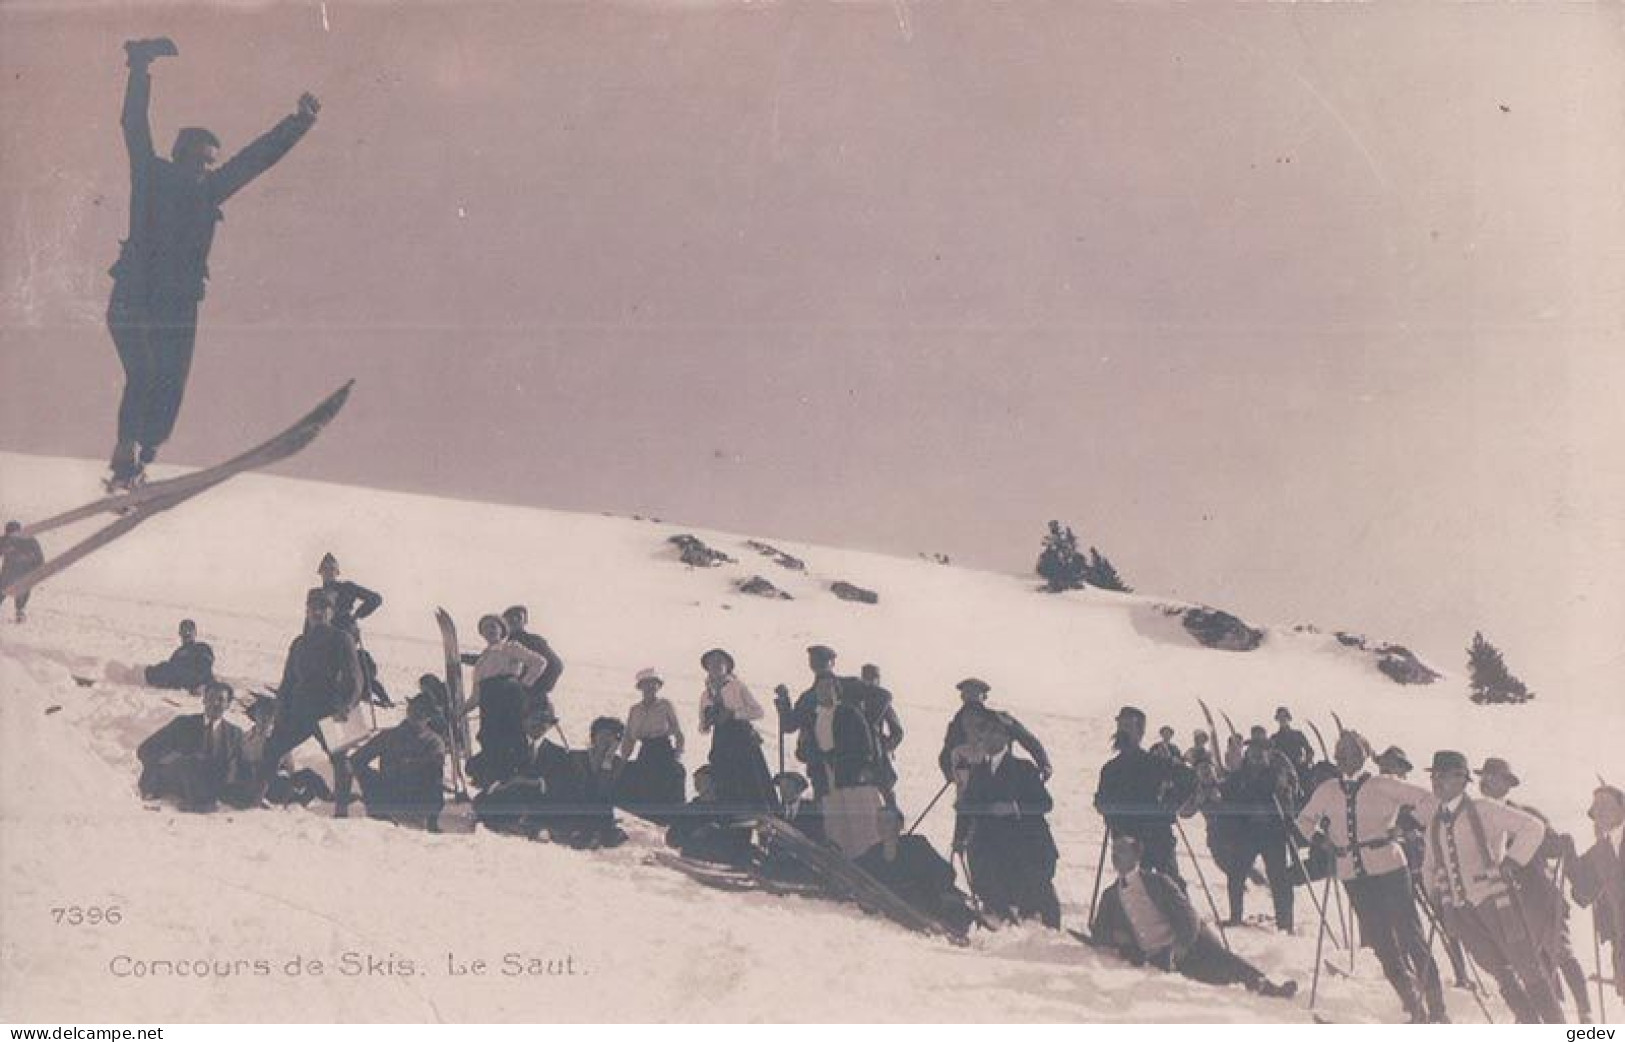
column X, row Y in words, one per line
column 1217, row 629
column 1396, row 662
column 847, row 592
column 757, row 586
column 696, row 554
column 784, row 560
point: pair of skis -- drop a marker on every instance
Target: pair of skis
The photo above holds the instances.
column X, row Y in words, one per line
column 150, row 500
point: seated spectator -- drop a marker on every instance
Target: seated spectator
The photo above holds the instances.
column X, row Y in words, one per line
column 1146, row 918
column 190, row 666
column 702, row 833
column 597, row 769
column 912, row 869
column 254, row 786
column 191, row 758
column 407, row 785
column 543, row 782
column 799, row 810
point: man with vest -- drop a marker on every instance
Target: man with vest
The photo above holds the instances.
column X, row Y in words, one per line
column 1357, row 814
column 1473, row 849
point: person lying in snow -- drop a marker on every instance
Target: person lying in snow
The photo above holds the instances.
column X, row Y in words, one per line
column 188, row 666
column 913, row 870
column 1146, row 918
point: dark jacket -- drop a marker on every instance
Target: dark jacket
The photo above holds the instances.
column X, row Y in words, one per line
column 322, row 675
column 411, row 761
column 351, row 603
column 1292, row 743
column 999, row 839
column 854, row 758
column 956, row 737
column 19, row 555
column 1253, row 799
column 1598, row 877
column 1138, row 789
column 535, row 642
column 185, row 737
column 1112, row 922
column 188, row 666
column 172, row 213
column 919, row 875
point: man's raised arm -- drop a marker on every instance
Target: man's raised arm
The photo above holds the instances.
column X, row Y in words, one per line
column 263, row 152
column 138, row 95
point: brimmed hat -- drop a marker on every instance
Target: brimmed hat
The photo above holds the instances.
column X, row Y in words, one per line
column 430, row 684
column 516, row 611
column 791, row 777
column 1394, row 757
column 1611, row 791
column 1131, row 713
column 503, row 626
column 705, row 659
column 1282, row 711
column 648, row 674
column 1447, row 760
column 974, row 685
column 822, row 651
column 1496, row 765
column 259, row 703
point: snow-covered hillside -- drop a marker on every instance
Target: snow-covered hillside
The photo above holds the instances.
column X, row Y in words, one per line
column 643, row 943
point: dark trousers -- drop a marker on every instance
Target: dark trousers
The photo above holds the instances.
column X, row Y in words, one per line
column 1493, row 934
column 191, row 781
column 154, row 339
column 1389, row 926
column 1272, row 848
column 288, row 733
column 1209, row 962
column 22, row 598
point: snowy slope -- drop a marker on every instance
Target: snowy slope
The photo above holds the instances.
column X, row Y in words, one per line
column 644, row 944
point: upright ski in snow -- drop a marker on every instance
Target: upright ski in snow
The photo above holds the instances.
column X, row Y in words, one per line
column 456, row 723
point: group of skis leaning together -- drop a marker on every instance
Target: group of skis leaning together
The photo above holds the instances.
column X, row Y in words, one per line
column 1478, row 877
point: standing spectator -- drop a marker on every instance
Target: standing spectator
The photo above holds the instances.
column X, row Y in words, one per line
column 19, row 555
column 739, row 771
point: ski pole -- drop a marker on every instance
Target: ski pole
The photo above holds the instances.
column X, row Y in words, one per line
column 1437, row 928
column 1201, row 877
column 1100, row 869
column 1320, row 939
column 1297, row 859
column 1596, row 957
column 928, row 806
column 1342, row 921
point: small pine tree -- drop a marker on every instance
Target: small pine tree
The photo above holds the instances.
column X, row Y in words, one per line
column 1060, row 564
column 1490, row 681
column 1100, row 572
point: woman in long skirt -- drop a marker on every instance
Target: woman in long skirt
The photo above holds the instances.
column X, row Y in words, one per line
column 653, row 782
column 744, row 784
column 503, row 673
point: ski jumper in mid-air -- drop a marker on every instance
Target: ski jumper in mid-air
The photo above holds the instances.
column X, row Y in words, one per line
column 159, row 277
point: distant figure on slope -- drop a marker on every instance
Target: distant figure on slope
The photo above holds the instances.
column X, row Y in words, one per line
column 1199, row 753
column 353, row 602
column 912, row 869
column 163, row 264
column 1146, row 918
column 19, row 555
column 1010, row 851
column 727, row 709
column 834, row 740
column 517, row 618
column 1138, row 794
column 503, row 674
column 652, row 782
column 407, row 785
column 189, row 665
column 881, row 712
column 321, row 679
column 191, row 758
column 1164, row 745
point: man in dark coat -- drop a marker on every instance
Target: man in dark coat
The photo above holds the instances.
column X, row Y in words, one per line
column 1252, row 801
column 912, row 869
column 406, row 786
column 1291, row 743
column 353, row 602
column 19, row 555
column 1598, row 875
column 597, row 768
column 321, row 679
column 1146, row 918
column 544, row 782
column 188, row 666
column 704, row 834
column 163, row 264
column 973, row 701
column 1010, row 852
column 833, row 737
column 881, row 712
column 1139, row 794
column 518, row 617
column 191, row 758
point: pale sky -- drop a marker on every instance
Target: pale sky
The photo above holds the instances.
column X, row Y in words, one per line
column 1307, row 311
